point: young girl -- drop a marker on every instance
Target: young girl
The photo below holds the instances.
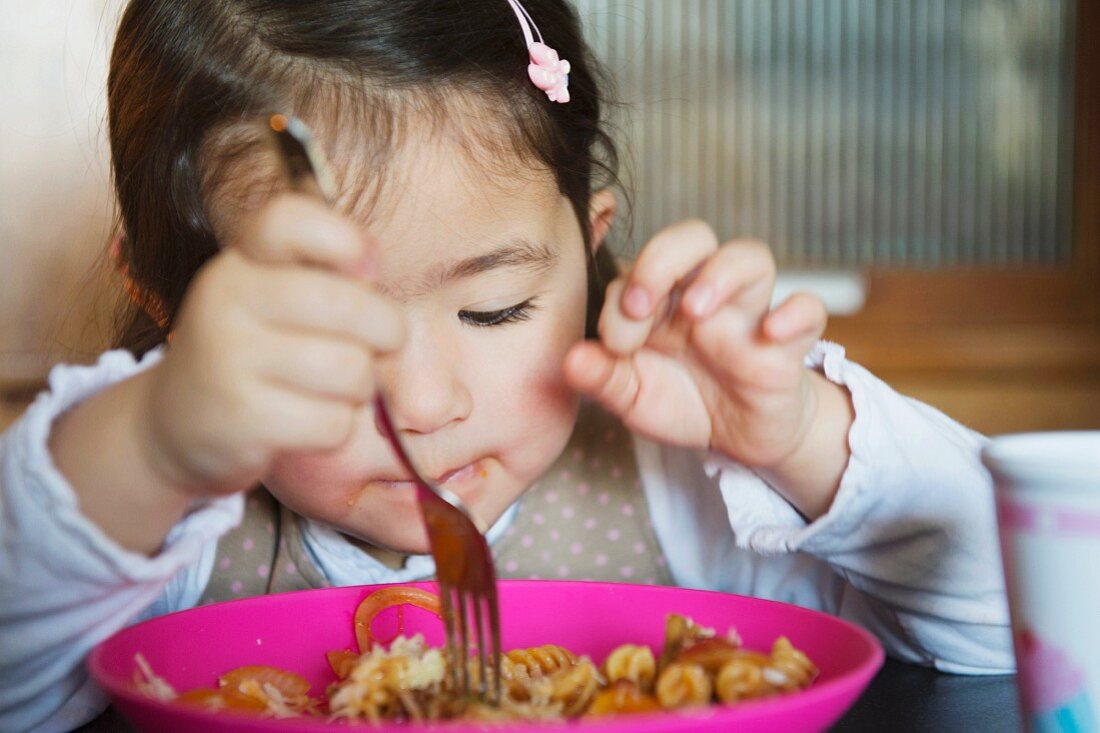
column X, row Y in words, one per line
column 460, row 272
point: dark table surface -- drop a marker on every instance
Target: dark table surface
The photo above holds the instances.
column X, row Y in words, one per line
column 905, row 698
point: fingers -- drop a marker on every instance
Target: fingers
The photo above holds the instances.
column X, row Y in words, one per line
column 303, row 422
column 716, row 299
column 651, row 394
column 313, row 300
column 331, row 367
column 599, row 374
column 801, row 317
column 684, row 269
column 635, row 301
column 619, row 333
column 666, row 259
column 740, row 273
column 767, row 356
column 310, row 330
column 294, row 228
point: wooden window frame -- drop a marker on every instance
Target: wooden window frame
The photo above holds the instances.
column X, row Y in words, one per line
column 995, row 328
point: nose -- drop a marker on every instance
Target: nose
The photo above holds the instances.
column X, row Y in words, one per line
column 423, row 383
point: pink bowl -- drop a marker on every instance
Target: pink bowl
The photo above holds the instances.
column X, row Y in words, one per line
column 294, row 630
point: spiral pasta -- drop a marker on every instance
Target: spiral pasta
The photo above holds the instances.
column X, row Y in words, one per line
column 632, row 663
column 537, row 661
column 748, row 675
column 574, row 688
column 620, row 698
column 409, row 680
column 384, row 683
column 683, row 685
column 792, row 664
column 740, row 679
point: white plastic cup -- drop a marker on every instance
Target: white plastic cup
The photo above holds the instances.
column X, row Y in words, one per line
column 1048, row 511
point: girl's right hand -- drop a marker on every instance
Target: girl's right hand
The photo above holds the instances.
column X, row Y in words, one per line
column 273, row 350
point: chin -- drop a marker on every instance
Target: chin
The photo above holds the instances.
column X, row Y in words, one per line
column 405, row 533
column 407, row 540
column 408, row 546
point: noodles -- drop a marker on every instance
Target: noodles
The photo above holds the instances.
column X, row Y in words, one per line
column 408, row 680
column 380, row 600
column 632, row 663
column 683, row 685
column 398, row 682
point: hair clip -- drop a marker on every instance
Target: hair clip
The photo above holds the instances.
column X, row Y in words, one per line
column 548, row 72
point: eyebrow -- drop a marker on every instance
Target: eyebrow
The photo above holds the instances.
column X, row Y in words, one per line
column 519, row 253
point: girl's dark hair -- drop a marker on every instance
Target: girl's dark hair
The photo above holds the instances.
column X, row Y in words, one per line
column 189, row 79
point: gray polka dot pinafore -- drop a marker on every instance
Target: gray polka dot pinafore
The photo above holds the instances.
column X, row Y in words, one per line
column 585, row 519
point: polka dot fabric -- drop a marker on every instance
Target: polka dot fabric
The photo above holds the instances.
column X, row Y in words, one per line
column 259, row 557
column 586, row 518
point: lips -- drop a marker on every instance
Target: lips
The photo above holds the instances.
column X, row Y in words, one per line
column 459, row 473
column 455, row 475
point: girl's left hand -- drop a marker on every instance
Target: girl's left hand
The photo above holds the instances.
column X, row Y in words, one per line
column 691, row 354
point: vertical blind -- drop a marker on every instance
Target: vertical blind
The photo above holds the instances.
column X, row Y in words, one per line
column 913, row 133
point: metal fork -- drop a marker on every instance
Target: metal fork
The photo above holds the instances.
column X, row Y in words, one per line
column 463, row 562
column 464, row 568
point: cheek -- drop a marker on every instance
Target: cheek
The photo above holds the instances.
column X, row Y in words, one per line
column 524, row 387
column 564, row 328
column 533, row 365
column 319, row 485
column 541, row 374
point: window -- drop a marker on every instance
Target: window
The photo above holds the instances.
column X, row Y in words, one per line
column 945, row 149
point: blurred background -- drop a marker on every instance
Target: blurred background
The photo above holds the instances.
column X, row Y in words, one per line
column 930, row 167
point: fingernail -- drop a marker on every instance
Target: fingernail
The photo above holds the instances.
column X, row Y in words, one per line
column 699, row 299
column 636, row 302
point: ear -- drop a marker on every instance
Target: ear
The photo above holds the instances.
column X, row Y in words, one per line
column 601, row 214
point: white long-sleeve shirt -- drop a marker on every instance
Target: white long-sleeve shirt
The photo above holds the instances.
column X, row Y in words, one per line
column 908, row 548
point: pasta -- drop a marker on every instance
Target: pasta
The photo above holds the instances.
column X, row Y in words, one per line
column 683, row 685
column 632, row 663
column 405, row 679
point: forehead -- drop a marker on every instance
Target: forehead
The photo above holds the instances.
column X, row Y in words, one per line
column 440, row 217
column 437, row 189
column 428, row 189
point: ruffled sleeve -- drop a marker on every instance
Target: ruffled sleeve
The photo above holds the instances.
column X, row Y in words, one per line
column 64, row 584
column 912, row 527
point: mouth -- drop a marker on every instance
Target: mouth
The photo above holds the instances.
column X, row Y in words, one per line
column 451, row 480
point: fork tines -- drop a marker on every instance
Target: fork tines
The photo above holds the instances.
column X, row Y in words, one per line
column 485, row 684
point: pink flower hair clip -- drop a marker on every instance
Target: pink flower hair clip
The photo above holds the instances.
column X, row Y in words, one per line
column 548, row 72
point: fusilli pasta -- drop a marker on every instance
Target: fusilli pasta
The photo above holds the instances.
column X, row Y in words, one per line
column 409, row 680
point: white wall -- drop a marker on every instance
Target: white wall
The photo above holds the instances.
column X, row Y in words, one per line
column 55, row 203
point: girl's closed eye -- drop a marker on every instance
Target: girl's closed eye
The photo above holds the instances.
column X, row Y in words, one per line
column 511, row 314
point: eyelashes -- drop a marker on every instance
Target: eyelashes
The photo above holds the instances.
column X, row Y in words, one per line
column 511, row 314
